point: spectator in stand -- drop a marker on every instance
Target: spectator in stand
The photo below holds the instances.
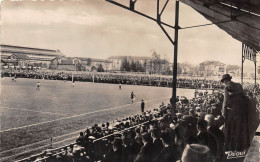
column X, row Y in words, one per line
column 192, row 121
column 205, row 138
column 215, row 110
column 196, row 93
column 130, row 149
column 87, row 133
column 143, row 129
column 157, row 143
column 126, row 149
column 78, row 156
column 219, row 121
column 168, row 152
column 138, row 137
column 116, row 154
column 234, row 110
column 146, row 151
column 181, row 130
column 253, row 115
column 196, row 153
column 81, row 141
column 218, row 136
column 206, row 92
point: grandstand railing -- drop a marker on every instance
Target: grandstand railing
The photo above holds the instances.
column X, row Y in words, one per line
column 62, row 147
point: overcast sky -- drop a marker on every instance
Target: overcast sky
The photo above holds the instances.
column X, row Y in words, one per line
column 98, row 29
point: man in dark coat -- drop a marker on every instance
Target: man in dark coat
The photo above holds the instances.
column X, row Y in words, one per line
column 81, row 141
column 146, row 151
column 235, row 114
column 217, row 134
column 116, row 154
column 157, row 143
column 142, row 106
column 205, row 138
column 253, row 116
column 130, row 149
column 168, row 153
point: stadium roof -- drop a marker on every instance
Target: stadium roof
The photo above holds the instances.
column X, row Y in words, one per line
column 239, row 18
column 28, row 50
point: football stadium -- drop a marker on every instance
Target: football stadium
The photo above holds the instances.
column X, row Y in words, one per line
column 116, row 96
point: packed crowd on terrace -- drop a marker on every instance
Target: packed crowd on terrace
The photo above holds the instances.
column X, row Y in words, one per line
column 115, row 78
column 191, row 132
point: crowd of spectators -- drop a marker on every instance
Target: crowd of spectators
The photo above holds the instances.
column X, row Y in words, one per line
column 191, row 133
column 116, row 78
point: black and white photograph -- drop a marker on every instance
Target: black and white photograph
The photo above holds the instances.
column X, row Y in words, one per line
column 130, row 80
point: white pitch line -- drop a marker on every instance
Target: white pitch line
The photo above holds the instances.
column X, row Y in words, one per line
column 43, row 112
column 26, row 126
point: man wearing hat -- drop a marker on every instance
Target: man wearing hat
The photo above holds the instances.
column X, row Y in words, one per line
column 196, row 153
column 234, row 112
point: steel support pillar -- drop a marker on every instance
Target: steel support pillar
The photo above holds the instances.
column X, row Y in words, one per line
column 174, row 76
column 242, row 66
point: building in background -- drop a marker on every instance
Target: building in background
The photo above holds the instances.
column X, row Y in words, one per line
column 187, row 69
column 117, row 62
column 17, row 57
column 93, row 64
column 129, row 63
column 148, row 65
column 212, row 68
column 67, row 63
column 234, row 70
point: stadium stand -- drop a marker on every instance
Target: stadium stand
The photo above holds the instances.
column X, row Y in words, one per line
column 155, row 135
